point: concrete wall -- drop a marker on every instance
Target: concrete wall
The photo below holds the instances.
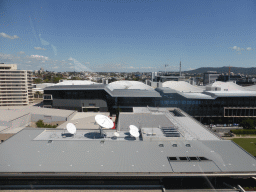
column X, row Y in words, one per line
column 47, row 118
column 79, row 103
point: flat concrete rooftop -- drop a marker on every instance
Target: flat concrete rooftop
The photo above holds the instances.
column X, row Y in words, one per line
column 25, row 154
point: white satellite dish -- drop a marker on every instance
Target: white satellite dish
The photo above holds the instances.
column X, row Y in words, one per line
column 133, row 127
column 104, row 121
column 134, row 133
column 116, row 134
column 71, row 128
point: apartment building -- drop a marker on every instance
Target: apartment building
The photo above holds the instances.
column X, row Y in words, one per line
column 15, row 86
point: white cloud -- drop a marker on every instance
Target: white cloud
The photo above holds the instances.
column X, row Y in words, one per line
column 70, row 59
column 39, row 48
column 8, row 36
column 148, row 67
column 239, row 49
column 54, row 49
column 21, row 52
column 38, row 57
column 43, row 41
column 6, row 56
column 36, row 61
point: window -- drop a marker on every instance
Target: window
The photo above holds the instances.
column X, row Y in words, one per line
column 187, row 159
column 193, row 159
column 172, row 158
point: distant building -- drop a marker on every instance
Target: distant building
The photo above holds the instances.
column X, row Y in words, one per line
column 90, row 96
column 15, row 86
column 210, row 77
column 233, row 78
column 220, row 99
column 41, row 70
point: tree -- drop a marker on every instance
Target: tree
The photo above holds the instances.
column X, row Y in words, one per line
column 40, row 123
column 56, row 79
column 247, row 124
column 37, row 81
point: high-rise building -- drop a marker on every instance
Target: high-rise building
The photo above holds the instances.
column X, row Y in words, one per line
column 210, row 77
column 15, row 86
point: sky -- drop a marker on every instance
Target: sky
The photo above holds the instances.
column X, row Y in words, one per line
column 127, row 35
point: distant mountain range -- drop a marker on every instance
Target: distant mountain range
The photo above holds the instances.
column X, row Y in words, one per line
column 242, row 70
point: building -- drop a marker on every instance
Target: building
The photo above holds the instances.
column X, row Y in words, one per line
column 172, row 150
column 14, row 119
column 15, row 86
column 220, row 99
column 118, row 95
column 210, row 77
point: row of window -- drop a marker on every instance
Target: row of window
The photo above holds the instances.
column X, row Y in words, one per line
column 185, row 159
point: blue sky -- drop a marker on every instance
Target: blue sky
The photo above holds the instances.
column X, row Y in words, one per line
column 127, row 35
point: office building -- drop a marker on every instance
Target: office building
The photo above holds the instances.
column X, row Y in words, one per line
column 172, row 149
column 15, row 86
column 119, row 95
column 220, row 99
column 210, row 77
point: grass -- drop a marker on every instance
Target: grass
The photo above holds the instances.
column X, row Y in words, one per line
column 248, row 144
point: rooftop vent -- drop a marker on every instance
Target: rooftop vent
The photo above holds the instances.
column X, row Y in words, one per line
column 186, row 159
column 170, row 132
column 183, row 158
column 176, row 113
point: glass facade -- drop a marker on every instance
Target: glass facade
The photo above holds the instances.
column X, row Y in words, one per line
column 204, row 107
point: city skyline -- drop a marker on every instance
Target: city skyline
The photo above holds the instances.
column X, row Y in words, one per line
column 127, row 36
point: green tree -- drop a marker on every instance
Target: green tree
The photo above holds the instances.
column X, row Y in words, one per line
column 56, row 79
column 37, row 81
column 247, row 124
column 40, row 123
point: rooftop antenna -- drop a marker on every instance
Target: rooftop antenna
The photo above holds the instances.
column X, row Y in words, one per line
column 71, row 128
column 104, row 122
column 165, row 67
column 134, row 131
column 180, row 68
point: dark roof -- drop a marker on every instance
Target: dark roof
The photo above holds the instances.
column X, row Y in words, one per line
column 76, row 87
column 114, row 93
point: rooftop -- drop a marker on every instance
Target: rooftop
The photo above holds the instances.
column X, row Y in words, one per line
column 191, row 149
column 117, row 157
column 225, row 89
column 115, row 89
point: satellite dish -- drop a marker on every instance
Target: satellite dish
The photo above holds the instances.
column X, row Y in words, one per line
column 134, row 133
column 71, row 128
column 104, row 121
column 133, row 127
column 116, row 134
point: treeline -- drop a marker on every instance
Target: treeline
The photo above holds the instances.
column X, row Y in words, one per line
column 41, row 124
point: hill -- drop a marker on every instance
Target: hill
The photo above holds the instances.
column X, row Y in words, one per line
column 242, row 70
